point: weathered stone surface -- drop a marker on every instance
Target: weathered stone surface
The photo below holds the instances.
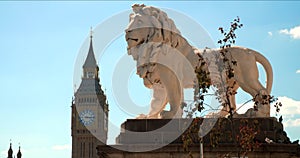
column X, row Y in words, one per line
column 176, row 151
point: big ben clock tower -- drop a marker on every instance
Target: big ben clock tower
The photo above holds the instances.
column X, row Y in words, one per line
column 89, row 111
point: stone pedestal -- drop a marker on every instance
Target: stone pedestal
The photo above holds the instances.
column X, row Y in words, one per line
column 152, row 131
column 155, row 131
column 162, row 138
column 224, row 150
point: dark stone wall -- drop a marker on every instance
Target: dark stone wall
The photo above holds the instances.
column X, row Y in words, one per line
column 220, row 141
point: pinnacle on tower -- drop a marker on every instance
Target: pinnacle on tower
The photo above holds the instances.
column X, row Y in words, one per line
column 19, row 154
column 90, row 61
column 10, row 152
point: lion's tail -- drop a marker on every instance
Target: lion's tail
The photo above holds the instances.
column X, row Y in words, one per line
column 268, row 68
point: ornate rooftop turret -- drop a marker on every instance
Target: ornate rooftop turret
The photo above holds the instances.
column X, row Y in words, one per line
column 19, row 155
column 10, row 152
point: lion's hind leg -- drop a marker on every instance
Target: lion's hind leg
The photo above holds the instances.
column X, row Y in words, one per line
column 258, row 92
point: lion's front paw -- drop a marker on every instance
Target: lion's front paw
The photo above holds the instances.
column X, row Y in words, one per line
column 141, row 116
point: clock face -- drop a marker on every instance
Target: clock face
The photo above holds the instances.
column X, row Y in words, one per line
column 87, row 117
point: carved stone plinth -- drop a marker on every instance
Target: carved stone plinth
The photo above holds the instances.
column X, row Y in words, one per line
column 153, row 131
column 176, row 151
column 161, row 138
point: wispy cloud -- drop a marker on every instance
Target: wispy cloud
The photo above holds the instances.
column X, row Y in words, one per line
column 290, row 111
column 290, row 106
column 270, row 33
column 298, row 71
column 292, row 123
column 4, row 153
column 293, row 32
column 62, row 147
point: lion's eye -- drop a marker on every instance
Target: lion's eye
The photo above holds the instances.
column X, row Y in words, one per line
column 140, row 21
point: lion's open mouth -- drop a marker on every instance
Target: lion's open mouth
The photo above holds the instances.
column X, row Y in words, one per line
column 133, row 42
column 133, row 39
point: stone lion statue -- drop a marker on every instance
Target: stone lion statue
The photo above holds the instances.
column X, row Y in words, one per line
column 167, row 63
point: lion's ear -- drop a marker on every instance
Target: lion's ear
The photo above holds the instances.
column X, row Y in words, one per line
column 131, row 16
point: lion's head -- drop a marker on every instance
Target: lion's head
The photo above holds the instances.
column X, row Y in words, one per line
column 149, row 33
column 149, row 24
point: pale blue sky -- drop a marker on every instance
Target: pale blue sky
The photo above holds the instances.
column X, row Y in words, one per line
column 40, row 42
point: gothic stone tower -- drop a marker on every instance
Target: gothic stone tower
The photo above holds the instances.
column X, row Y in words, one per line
column 89, row 111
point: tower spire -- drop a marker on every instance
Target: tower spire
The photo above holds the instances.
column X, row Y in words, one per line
column 10, row 151
column 19, row 154
column 91, row 33
column 90, row 67
column 90, row 61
